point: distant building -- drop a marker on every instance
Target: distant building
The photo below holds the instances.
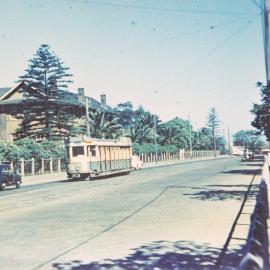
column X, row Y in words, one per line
column 12, row 101
column 237, row 150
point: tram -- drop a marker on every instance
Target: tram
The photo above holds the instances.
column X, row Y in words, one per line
column 89, row 157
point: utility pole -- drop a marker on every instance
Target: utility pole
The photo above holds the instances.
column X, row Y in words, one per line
column 265, row 5
column 215, row 142
column 225, row 152
column 190, row 137
column 155, row 128
column 87, row 117
column 229, row 140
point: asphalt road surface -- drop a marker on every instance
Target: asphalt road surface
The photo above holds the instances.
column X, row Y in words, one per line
column 173, row 217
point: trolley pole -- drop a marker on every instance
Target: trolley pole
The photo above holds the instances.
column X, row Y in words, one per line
column 87, row 117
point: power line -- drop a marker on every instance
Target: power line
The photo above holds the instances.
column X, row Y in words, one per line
column 153, row 43
column 259, row 5
column 218, row 46
column 181, row 10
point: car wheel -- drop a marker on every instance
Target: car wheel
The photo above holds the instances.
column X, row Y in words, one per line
column 18, row 184
column 3, row 186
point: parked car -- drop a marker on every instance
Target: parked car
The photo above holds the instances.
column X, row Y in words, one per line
column 8, row 177
column 136, row 163
column 248, row 155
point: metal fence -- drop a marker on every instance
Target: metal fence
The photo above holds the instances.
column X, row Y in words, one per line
column 57, row 165
column 37, row 166
column 180, row 155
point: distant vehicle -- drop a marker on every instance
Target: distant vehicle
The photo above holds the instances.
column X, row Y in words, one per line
column 89, row 157
column 8, row 178
column 136, row 163
column 248, row 155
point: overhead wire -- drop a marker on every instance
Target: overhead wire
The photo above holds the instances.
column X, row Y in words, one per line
column 167, row 39
column 258, row 4
column 152, row 8
column 218, row 46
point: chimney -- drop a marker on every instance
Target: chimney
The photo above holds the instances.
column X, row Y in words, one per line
column 103, row 99
column 81, row 96
column 81, row 92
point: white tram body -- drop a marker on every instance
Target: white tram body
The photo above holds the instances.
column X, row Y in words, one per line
column 87, row 157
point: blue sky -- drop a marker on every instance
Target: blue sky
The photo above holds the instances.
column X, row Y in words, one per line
column 174, row 57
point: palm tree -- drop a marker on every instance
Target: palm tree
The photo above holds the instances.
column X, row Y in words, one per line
column 141, row 128
column 104, row 125
column 169, row 135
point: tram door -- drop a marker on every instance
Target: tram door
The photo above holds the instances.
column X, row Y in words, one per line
column 101, row 158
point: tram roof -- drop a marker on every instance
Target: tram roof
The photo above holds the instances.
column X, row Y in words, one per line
column 122, row 141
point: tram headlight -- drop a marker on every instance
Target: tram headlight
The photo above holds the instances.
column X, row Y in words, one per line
column 77, row 169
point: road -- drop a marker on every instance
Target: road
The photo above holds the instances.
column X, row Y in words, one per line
column 173, row 217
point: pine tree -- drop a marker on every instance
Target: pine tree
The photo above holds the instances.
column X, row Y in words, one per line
column 45, row 115
column 214, row 123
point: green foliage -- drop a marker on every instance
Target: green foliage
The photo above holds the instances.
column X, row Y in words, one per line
column 45, row 113
column 138, row 124
column 202, row 139
column 9, row 151
column 125, row 113
column 104, row 125
column 29, row 148
column 213, row 123
column 248, row 138
column 150, row 148
column 174, row 132
column 169, row 149
column 261, row 112
column 145, row 148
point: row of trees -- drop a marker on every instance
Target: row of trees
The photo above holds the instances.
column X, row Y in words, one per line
column 46, row 115
column 250, row 139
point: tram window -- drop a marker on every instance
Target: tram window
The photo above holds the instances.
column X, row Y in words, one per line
column 77, row 151
column 93, row 151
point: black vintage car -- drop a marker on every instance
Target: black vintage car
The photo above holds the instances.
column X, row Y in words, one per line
column 8, row 178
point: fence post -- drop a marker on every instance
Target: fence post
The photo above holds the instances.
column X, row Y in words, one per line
column 42, row 166
column 22, row 167
column 33, row 166
column 51, row 165
column 59, row 165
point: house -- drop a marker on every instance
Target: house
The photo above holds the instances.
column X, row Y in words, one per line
column 12, row 100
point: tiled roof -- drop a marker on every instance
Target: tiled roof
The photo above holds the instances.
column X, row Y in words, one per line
column 4, row 90
column 67, row 98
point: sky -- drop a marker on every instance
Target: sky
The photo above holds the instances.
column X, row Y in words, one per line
column 175, row 57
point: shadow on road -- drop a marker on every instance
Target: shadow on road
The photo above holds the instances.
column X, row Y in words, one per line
column 222, row 192
column 220, row 195
column 254, row 164
column 160, row 255
column 244, row 171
